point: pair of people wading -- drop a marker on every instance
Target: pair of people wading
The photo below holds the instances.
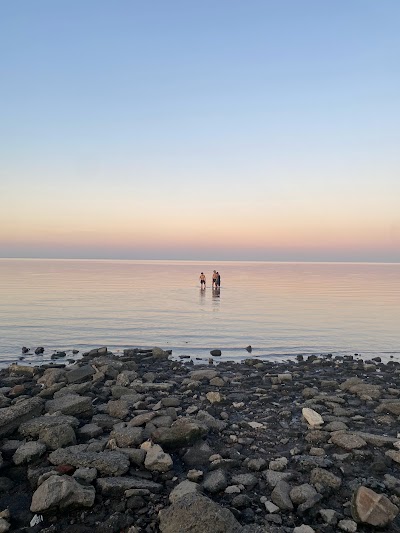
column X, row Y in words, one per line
column 216, row 280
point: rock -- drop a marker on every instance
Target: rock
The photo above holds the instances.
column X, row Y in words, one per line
column 214, row 397
column 135, row 456
column 280, row 496
column 156, row 459
column 211, row 422
column 248, row 480
column 195, row 513
column 158, row 353
column 348, row 441
column 90, row 431
column 32, row 428
column 107, row 462
column 271, row 507
column 392, row 407
column 217, row 382
column 80, row 374
column 71, row 404
column 85, row 474
column 215, row 353
column 183, row 432
column 116, row 486
column 312, row 418
column 394, row 455
column 303, row 529
column 29, row 451
column 329, row 516
column 302, row 493
column 141, row 420
column 60, row 492
column 198, row 454
column 198, row 375
column 4, row 525
column 118, row 409
column 129, row 436
column 347, row 525
column 272, row 478
column 22, row 370
column 215, row 481
column 184, row 488
column 323, row 479
column 278, row 464
column 57, row 436
column 249, row 348
column 12, row 417
column 371, row 508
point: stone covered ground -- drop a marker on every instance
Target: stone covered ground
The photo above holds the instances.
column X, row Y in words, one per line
column 141, row 443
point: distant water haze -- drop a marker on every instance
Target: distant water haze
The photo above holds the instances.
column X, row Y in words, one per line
column 280, row 309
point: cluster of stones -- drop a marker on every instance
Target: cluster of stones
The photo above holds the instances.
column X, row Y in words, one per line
column 142, row 443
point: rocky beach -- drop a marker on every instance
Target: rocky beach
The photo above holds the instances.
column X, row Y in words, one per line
column 141, row 443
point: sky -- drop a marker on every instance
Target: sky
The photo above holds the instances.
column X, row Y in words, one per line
column 223, row 129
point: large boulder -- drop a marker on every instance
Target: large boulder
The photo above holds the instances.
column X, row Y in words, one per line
column 59, row 492
column 111, row 463
column 71, row 404
column 183, row 432
column 195, row 513
column 11, row 417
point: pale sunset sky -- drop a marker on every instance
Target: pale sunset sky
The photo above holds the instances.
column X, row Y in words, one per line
column 223, row 129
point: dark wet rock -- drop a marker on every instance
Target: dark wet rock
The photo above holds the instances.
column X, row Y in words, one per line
column 24, row 349
column 116, row 486
column 215, row 481
column 195, row 513
column 12, row 417
column 215, row 353
column 60, row 492
column 198, row 454
column 80, row 374
column 39, row 350
column 57, row 436
column 280, row 496
column 302, row 493
column 183, row 489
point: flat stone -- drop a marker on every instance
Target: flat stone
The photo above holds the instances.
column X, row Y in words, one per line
column 312, row 418
column 32, row 428
column 198, row 375
column 347, row 441
column 303, row 529
column 142, row 419
column 12, row 417
column 371, row 508
column 183, row 432
column 107, row 463
column 71, row 404
column 80, row 374
column 129, row 436
column 280, row 496
column 60, row 492
column 116, row 486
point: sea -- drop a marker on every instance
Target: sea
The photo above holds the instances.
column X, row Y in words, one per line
column 281, row 310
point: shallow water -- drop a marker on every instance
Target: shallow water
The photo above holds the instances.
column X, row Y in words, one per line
column 281, row 309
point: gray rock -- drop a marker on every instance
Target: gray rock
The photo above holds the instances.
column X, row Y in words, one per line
column 183, row 432
column 136, row 456
column 107, row 462
column 302, row 493
column 58, row 437
column 116, row 486
column 198, row 454
column 248, row 480
column 280, row 496
column 32, row 428
column 80, row 374
column 88, row 475
column 215, row 481
column 60, row 492
column 215, row 353
column 211, row 422
column 52, row 376
column 90, row 431
column 198, row 375
column 184, row 488
column 71, row 404
column 329, row 516
column 118, row 409
column 159, row 353
column 272, row 478
column 348, row 441
column 323, row 479
column 4, row 525
column 257, row 464
column 29, row 451
column 142, row 419
column 156, row 459
column 195, row 513
column 347, row 525
column 12, row 417
column 303, row 529
column 128, row 436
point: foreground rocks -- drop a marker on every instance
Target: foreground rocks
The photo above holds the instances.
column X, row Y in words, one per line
column 142, row 444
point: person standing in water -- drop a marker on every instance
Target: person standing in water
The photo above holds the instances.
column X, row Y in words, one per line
column 218, row 281
column 202, row 280
column 214, row 279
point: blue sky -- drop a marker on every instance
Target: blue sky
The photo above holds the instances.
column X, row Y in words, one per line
column 228, row 129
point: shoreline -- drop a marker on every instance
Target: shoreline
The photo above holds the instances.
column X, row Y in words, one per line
column 144, row 443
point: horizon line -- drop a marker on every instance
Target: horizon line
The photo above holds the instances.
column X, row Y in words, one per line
column 202, row 260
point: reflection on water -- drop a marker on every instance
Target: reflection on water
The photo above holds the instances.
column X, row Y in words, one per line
column 278, row 308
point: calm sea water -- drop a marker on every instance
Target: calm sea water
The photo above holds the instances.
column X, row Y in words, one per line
column 281, row 309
